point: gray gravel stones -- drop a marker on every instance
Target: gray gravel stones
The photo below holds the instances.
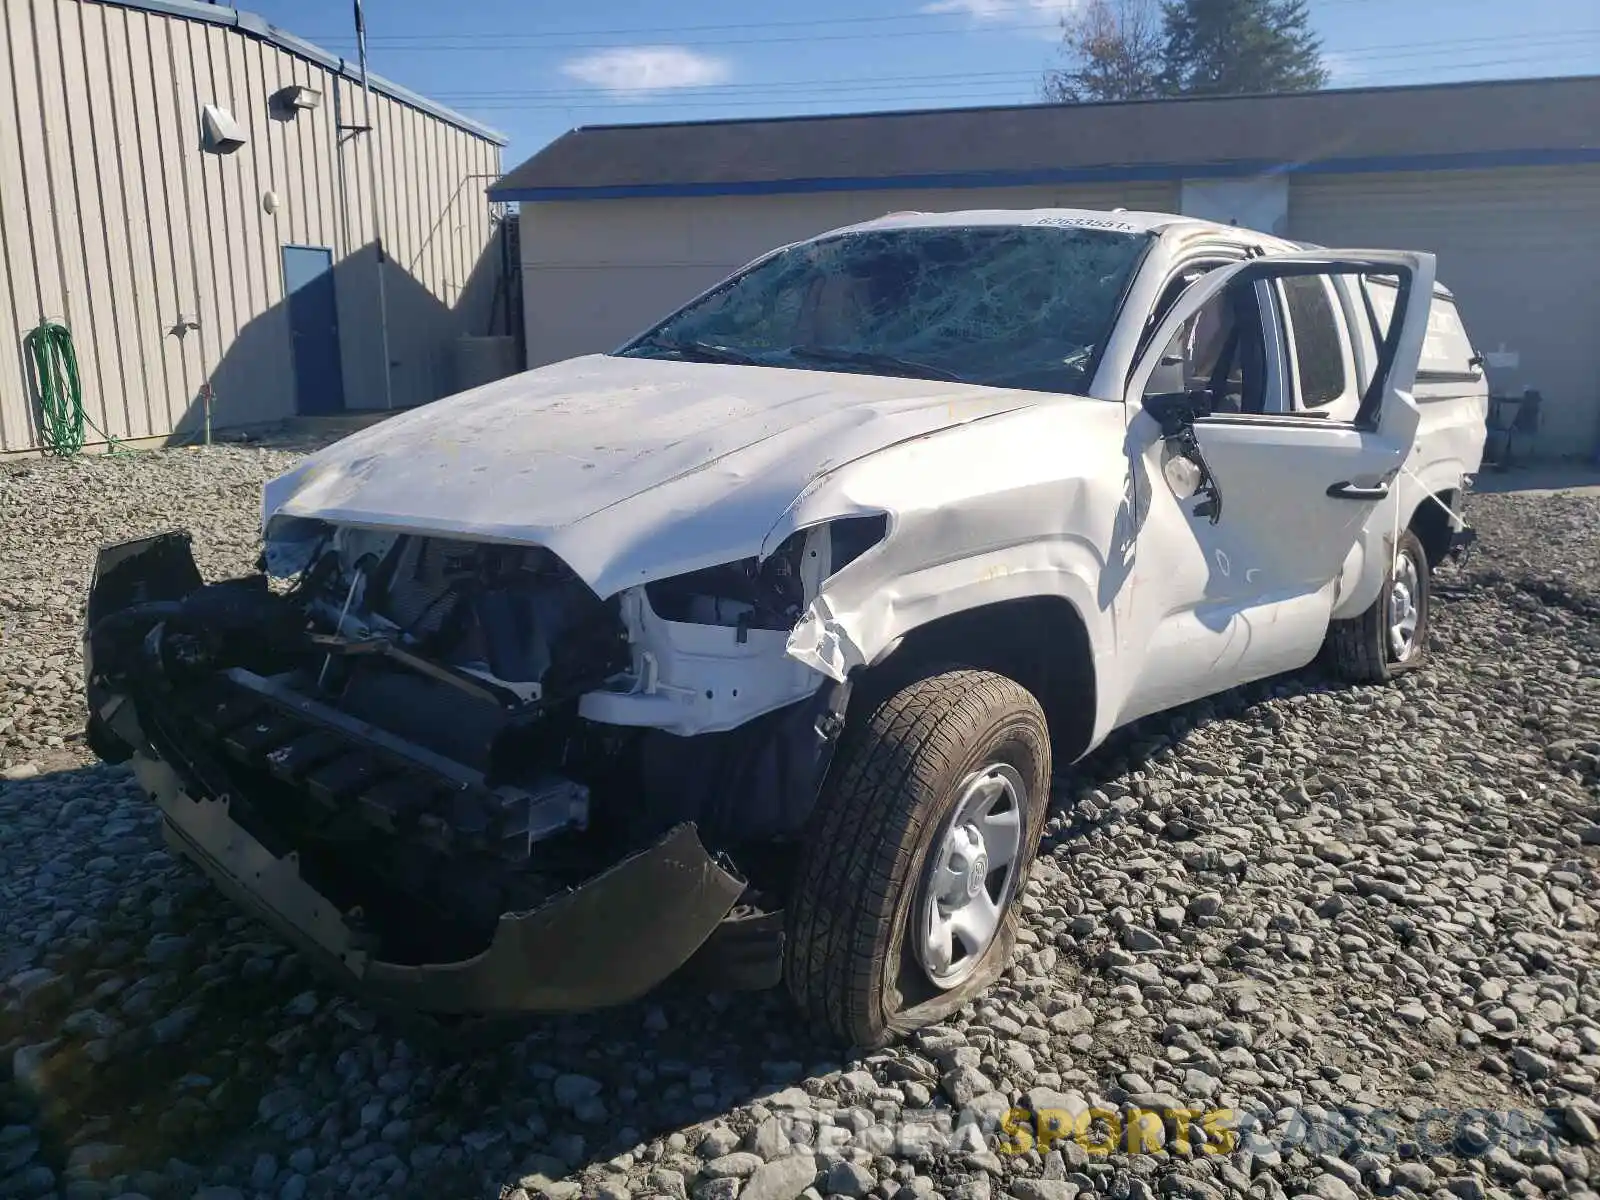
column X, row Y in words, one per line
column 849, row 1178
column 1305, row 903
column 783, row 1178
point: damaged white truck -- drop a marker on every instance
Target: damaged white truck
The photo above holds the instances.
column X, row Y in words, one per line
column 750, row 647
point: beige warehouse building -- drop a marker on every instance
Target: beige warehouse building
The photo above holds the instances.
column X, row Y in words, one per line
column 187, row 190
column 1502, row 180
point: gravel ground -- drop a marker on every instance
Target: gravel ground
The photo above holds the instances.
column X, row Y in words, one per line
column 1292, row 902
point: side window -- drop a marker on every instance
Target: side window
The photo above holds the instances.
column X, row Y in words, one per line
column 1447, row 350
column 1219, row 350
column 1316, row 341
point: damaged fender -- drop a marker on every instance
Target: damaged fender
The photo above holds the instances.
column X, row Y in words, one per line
column 1017, row 507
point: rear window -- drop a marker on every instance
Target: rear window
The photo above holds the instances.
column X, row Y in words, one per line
column 1446, row 350
column 1318, row 354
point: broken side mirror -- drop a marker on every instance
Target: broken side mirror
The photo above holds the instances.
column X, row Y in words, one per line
column 1187, row 471
column 1174, row 411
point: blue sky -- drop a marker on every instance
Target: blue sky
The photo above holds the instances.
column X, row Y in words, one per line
column 535, row 70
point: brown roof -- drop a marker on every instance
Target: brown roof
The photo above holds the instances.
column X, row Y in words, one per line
column 1439, row 126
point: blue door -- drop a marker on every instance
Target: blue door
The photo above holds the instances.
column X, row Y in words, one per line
column 313, row 329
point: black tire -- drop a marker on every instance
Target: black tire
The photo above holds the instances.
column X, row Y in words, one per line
column 1359, row 649
column 891, row 790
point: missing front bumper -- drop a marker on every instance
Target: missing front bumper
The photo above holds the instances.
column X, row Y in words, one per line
column 605, row 942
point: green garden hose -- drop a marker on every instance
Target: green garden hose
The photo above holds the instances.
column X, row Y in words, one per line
column 60, row 393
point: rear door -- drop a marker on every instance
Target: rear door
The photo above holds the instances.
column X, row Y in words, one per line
column 1227, row 593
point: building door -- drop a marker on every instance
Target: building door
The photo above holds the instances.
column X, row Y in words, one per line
column 313, row 329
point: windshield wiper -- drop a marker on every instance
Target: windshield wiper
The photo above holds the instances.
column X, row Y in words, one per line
column 704, row 351
column 873, row 358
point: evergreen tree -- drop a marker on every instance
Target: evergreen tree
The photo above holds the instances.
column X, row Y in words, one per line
column 1236, row 47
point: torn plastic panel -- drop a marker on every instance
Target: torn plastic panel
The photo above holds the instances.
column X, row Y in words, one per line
column 709, row 649
column 605, row 942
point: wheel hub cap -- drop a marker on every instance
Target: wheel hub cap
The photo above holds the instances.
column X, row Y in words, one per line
column 971, row 875
column 976, row 874
column 1404, row 592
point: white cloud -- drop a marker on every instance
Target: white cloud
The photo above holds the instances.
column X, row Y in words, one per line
column 1031, row 15
column 641, row 70
column 982, row 10
column 1002, row 10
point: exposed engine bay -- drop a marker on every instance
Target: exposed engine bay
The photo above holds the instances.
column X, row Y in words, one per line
column 462, row 749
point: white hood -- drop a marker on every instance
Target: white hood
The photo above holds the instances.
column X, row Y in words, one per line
column 629, row 469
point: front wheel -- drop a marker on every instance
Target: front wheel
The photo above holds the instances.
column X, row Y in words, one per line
column 906, row 903
column 1392, row 635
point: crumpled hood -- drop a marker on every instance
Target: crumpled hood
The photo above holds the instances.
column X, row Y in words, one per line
column 629, row 469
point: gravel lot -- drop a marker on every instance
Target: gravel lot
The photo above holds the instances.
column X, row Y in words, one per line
column 1303, row 898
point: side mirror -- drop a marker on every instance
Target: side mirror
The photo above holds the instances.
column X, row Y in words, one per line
column 1176, row 413
column 1177, row 410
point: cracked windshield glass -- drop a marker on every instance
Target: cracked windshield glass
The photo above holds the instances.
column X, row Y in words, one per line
column 1007, row 306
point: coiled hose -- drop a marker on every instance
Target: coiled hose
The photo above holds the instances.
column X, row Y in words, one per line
column 59, row 390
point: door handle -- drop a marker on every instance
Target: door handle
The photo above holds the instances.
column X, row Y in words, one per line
column 1354, row 491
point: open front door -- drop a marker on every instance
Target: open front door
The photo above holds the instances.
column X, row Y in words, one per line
column 1252, row 492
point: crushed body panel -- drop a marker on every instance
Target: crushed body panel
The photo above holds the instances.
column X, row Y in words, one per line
column 627, row 469
column 294, row 807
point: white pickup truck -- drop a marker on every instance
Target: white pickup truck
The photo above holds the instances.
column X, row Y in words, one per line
column 752, row 645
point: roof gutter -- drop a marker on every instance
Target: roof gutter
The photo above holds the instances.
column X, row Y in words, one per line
column 249, row 23
column 1109, row 173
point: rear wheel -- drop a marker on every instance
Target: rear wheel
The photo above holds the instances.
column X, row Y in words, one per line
column 1392, row 635
column 906, row 903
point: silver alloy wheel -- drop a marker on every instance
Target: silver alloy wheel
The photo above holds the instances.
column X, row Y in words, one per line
column 971, row 875
column 1405, row 590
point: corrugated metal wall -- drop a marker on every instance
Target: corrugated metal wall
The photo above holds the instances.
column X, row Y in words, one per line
column 1520, row 248
column 113, row 220
column 597, row 272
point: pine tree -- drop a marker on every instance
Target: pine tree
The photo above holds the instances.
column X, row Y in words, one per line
column 1236, row 47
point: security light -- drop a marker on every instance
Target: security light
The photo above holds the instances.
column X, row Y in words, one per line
column 295, row 97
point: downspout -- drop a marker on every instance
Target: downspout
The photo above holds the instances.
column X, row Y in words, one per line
column 336, row 82
column 377, row 208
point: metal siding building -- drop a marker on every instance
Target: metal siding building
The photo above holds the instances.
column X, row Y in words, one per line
column 162, row 257
column 1502, row 180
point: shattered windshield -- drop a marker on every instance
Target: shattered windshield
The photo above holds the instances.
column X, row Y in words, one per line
column 1024, row 306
